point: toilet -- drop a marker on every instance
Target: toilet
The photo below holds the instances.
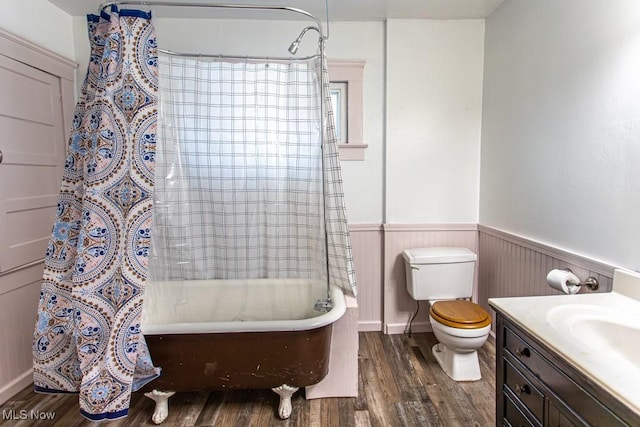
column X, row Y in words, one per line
column 444, row 277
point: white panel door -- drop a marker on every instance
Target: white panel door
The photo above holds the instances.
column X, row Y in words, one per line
column 32, row 145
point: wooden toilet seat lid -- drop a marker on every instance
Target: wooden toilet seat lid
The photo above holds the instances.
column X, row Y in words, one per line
column 460, row 314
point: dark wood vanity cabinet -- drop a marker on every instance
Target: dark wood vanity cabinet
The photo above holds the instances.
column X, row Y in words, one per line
column 536, row 387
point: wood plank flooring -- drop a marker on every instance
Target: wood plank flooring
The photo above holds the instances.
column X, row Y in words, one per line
column 400, row 384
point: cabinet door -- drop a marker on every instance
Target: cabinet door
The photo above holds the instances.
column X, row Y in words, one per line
column 559, row 418
column 32, row 145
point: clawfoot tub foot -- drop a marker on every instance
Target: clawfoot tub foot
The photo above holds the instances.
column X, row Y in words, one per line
column 162, row 404
column 285, row 392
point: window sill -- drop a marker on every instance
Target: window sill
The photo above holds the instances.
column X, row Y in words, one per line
column 352, row 152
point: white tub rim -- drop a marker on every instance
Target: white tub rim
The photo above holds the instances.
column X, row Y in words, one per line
column 339, row 307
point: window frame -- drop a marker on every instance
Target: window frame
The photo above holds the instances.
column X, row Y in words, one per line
column 351, row 72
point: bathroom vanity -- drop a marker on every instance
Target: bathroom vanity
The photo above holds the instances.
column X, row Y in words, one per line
column 568, row 360
column 535, row 387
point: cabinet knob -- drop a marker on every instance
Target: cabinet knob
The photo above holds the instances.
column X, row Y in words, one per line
column 0, row 156
column 522, row 389
column 522, row 352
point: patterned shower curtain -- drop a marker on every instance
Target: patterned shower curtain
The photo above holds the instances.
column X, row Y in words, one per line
column 87, row 336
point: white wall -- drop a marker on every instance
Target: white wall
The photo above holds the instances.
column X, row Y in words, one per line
column 561, row 125
column 434, row 99
column 363, row 181
column 39, row 22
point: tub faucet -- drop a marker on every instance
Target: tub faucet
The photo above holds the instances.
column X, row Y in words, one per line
column 323, row 305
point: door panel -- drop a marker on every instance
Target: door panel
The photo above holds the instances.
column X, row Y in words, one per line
column 32, row 144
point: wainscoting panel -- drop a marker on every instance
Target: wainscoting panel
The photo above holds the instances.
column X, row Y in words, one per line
column 399, row 307
column 366, row 240
column 512, row 265
column 18, row 310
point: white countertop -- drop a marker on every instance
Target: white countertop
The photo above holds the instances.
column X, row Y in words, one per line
column 568, row 325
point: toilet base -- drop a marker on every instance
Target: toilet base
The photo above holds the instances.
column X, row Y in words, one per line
column 459, row 366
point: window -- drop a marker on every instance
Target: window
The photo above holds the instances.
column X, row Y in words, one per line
column 339, row 104
column 346, row 96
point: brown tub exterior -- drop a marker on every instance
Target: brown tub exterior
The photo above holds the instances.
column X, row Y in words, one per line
column 240, row 360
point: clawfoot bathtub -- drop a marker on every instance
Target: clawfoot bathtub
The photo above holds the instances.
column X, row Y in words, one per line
column 219, row 335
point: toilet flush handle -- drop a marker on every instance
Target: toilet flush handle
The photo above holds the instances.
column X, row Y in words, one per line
column 415, row 267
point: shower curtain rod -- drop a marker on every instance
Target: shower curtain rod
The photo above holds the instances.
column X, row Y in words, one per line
column 145, row 3
column 239, row 58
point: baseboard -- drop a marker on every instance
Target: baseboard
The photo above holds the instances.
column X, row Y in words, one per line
column 11, row 389
column 370, row 326
column 400, row 328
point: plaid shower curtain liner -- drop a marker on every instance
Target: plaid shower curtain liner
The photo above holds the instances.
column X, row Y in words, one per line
column 249, row 176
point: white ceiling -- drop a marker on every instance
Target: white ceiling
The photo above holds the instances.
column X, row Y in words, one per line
column 339, row 10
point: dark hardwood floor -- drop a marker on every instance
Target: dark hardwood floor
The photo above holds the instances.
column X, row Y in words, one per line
column 400, row 384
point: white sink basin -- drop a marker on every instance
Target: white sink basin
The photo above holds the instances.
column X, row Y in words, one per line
column 601, row 329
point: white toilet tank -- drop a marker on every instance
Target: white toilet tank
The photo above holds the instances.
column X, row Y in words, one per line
column 439, row 273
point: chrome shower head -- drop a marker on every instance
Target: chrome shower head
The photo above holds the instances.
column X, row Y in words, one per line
column 293, row 47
